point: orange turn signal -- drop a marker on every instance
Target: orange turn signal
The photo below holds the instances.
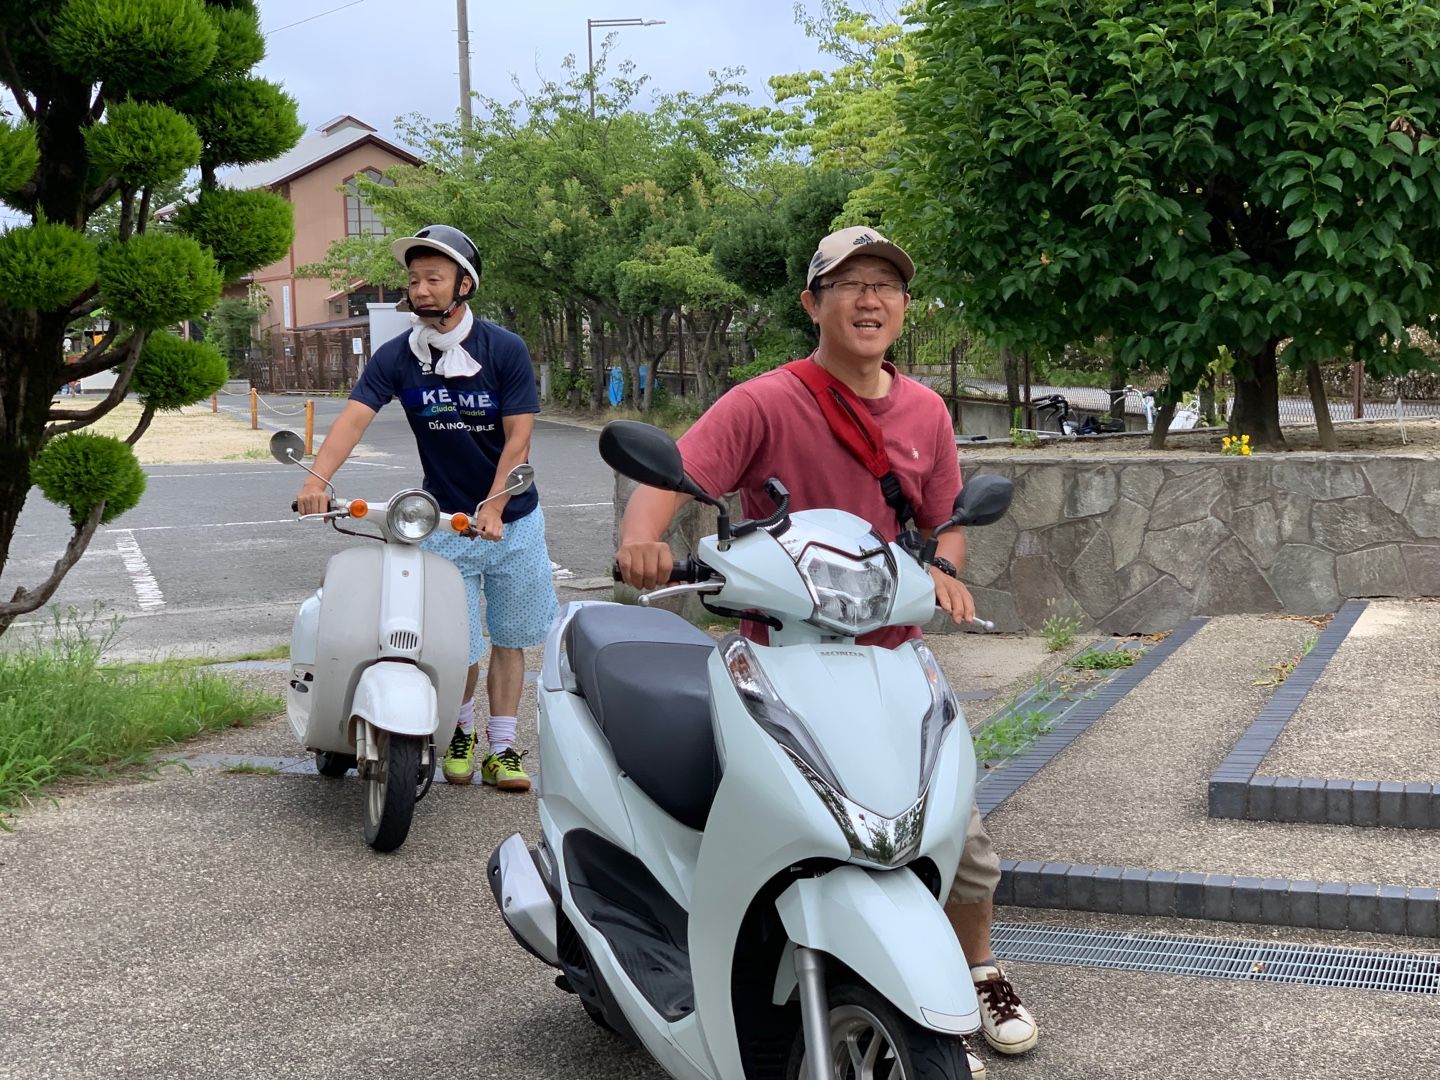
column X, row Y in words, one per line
column 359, row 508
column 460, row 522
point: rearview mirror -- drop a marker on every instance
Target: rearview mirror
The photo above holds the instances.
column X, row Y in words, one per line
column 287, row 448
column 520, row 479
column 644, row 454
column 984, row 500
column 517, row 480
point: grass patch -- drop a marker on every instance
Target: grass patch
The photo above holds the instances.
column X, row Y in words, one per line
column 63, row 714
column 275, row 652
column 1095, row 660
column 249, row 768
column 258, row 453
column 1059, row 632
column 1009, row 733
column 1273, row 676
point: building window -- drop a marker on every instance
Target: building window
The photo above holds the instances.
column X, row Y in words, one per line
column 360, row 218
column 359, row 300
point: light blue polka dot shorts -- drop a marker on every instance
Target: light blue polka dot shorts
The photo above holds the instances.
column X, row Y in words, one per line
column 516, row 577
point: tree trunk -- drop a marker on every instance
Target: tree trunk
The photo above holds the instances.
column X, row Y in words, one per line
column 1207, row 400
column 1257, row 399
column 1011, row 364
column 572, row 353
column 31, row 356
column 597, row 359
column 1163, row 415
column 1323, row 427
column 717, row 355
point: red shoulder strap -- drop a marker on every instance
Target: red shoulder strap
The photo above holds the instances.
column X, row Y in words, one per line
column 849, row 420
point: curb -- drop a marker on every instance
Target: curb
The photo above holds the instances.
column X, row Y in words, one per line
column 1237, row 790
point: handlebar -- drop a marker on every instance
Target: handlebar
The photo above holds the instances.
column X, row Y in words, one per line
column 689, row 571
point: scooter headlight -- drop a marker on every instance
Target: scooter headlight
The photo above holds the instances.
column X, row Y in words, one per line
column 767, row 710
column 874, row 839
column 944, row 708
column 852, row 595
column 412, row 516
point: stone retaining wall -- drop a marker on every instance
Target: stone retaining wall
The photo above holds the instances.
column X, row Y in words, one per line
column 1140, row 543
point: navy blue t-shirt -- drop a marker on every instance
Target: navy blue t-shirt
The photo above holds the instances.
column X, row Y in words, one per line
column 457, row 422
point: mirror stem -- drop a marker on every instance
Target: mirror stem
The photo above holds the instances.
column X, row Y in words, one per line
column 312, row 472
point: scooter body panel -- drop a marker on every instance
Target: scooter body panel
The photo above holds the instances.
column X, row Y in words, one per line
column 378, row 600
column 396, row 697
column 887, row 928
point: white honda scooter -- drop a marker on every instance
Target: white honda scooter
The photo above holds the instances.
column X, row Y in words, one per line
column 745, row 848
column 378, row 654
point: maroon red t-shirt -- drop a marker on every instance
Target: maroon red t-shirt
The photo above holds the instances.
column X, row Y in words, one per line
column 772, row 426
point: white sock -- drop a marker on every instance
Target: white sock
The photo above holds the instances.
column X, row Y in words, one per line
column 466, row 720
column 501, row 733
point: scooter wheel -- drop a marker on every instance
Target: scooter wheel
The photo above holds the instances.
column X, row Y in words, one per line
column 390, row 791
column 333, row 765
column 892, row 1044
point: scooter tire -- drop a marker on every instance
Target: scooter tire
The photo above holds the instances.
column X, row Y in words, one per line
column 333, row 765
column 390, row 796
column 922, row 1054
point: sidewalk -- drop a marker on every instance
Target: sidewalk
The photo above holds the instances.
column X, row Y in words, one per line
column 213, row 924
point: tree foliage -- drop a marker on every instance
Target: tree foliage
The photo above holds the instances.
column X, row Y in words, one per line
column 1182, row 177
column 81, row 471
column 117, row 101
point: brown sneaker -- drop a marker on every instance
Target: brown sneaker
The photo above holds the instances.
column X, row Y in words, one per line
column 1004, row 1021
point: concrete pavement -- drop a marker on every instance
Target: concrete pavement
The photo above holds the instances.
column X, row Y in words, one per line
column 211, row 924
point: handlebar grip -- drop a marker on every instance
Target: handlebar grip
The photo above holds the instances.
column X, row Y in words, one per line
column 685, row 571
column 295, row 506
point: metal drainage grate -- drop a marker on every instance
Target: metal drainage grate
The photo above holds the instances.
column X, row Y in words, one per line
column 1215, row 958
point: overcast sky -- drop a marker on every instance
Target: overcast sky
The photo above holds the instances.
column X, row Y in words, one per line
column 379, row 59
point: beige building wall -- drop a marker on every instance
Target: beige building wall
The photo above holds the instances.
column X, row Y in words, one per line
column 319, row 206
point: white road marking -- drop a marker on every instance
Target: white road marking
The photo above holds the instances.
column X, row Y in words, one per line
column 576, row 506
column 147, row 589
column 209, row 525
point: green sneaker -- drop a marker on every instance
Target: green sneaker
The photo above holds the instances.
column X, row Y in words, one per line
column 504, row 771
column 459, row 763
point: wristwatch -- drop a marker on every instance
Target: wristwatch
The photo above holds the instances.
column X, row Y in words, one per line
column 945, row 566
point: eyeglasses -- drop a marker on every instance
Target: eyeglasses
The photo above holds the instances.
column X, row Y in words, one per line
column 853, row 290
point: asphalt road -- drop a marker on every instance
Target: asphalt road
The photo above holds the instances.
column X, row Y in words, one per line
column 212, row 561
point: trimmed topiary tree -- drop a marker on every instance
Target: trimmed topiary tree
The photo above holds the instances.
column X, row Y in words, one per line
column 119, row 100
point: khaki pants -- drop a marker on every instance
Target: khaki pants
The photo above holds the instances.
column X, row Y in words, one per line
column 979, row 871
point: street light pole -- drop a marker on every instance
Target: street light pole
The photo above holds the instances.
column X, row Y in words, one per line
column 590, row 25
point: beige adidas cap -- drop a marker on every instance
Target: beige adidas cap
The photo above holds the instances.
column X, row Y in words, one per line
column 856, row 240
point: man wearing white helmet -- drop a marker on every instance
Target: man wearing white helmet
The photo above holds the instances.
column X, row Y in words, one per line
column 468, row 390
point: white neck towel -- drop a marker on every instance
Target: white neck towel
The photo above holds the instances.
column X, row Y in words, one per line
column 454, row 362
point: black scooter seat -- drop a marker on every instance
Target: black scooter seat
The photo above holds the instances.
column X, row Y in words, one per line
column 643, row 672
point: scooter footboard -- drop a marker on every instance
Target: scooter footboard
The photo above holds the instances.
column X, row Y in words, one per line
column 396, row 697
column 890, row 930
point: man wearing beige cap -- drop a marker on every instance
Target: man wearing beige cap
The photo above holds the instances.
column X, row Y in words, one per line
column 856, row 293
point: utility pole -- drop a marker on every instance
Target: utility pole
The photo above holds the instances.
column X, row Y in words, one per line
column 463, row 15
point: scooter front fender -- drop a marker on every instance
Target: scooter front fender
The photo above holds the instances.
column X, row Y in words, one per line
column 886, row 927
column 396, row 697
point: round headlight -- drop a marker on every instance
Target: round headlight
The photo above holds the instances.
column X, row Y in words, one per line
column 412, row 516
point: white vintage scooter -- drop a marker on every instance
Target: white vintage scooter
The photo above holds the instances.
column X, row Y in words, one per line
column 378, row 654
column 744, row 848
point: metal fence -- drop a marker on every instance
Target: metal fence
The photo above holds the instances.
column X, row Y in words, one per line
column 318, row 361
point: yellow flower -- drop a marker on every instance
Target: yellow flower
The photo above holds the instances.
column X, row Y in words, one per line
column 1245, row 439
column 1245, row 450
column 1225, row 441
